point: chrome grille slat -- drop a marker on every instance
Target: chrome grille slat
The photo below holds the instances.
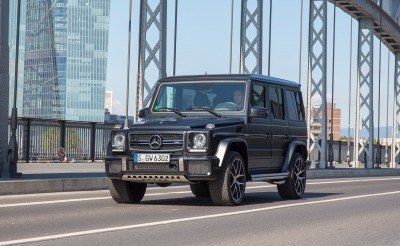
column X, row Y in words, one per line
column 171, row 142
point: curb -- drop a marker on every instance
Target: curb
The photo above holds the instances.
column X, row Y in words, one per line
column 14, row 187
column 351, row 173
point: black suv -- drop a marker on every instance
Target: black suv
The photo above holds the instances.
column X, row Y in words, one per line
column 215, row 132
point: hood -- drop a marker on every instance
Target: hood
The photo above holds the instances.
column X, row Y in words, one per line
column 185, row 123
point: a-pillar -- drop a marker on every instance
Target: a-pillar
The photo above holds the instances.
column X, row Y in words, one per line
column 316, row 84
column 364, row 95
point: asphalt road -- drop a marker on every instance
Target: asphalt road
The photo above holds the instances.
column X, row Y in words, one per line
column 357, row 211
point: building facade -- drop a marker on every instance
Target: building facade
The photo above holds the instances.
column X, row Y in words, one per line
column 315, row 127
column 65, row 59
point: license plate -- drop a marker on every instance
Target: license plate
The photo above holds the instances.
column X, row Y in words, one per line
column 151, row 158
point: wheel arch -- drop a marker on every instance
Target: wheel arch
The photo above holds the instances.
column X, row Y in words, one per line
column 233, row 144
column 294, row 146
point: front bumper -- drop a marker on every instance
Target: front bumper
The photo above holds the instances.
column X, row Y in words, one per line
column 180, row 169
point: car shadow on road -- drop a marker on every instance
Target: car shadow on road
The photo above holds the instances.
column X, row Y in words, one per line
column 250, row 198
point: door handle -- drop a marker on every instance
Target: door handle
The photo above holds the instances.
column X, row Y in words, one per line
column 267, row 135
column 286, row 136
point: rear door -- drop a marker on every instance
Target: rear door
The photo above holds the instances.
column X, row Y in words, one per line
column 296, row 119
column 279, row 125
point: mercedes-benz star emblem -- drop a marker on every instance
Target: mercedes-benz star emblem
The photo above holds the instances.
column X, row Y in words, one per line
column 155, row 142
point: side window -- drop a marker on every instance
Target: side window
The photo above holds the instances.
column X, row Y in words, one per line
column 300, row 107
column 257, row 95
column 291, row 105
column 276, row 102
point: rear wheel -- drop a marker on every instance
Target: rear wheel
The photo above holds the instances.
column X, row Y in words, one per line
column 295, row 185
column 200, row 189
column 229, row 189
column 126, row 192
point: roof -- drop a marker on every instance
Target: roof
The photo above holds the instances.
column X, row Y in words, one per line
column 206, row 77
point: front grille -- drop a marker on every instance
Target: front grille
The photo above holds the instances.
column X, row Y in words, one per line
column 153, row 167
column 170, row 142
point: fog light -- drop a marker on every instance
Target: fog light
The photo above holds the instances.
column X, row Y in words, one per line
column 114, row 166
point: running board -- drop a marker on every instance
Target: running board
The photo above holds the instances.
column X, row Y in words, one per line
column 269, row 176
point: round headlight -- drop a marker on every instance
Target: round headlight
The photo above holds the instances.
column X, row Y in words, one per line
column 119, row 141
column 199, row 140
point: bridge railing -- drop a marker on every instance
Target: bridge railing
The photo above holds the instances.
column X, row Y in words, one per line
column 340, row 153
column 40, row 140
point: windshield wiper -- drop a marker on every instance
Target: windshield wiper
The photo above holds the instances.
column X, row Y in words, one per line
column 205, row 109
column 176, row 111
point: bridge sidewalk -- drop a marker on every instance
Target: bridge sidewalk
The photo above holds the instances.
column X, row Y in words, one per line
column 59, row 177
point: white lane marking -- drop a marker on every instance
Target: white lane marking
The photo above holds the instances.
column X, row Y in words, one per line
column 196, row 218
column 176, row 192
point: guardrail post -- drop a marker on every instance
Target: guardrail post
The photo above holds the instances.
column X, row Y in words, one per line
column 62, row 134
column 92, row 141
column 340, row 151
column 27, row 140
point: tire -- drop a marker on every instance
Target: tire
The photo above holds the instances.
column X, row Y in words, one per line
column 229, row 189
column 200, row 189
column 126, row 192
column 295, row 185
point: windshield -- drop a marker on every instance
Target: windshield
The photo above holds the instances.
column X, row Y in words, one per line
column 217, row 96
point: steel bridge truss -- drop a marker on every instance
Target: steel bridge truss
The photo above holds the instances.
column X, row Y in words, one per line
column 316, row 84
column 396, row 112
column 151, row 17
column 250, row 42
column 364, row 105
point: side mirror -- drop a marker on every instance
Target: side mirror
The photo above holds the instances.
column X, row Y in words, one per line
column 143, row 112
column 258, row 112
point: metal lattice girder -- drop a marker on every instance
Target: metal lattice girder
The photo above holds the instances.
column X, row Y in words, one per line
column 316, row 85
column 365, row 106
column 4, row 83
column 151, row 17
column 396, row 112
column 251, row 43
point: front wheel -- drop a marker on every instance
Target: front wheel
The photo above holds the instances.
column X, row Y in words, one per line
column 126, row 192
column 295, row 185
column 229, row 189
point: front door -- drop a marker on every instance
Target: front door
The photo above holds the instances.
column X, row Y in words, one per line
column 257, row 133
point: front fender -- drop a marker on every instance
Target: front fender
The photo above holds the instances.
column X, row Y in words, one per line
column 224, row 146
column 291, row 149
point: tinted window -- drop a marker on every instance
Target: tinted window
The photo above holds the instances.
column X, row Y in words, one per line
column 258, row 96
column 299, row 104
column 291, row 106
column 295, row 106
column 276, row 102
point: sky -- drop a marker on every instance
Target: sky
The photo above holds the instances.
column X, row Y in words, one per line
column 203, row 46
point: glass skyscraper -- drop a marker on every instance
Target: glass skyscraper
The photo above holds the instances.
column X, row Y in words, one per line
column 65, row 59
